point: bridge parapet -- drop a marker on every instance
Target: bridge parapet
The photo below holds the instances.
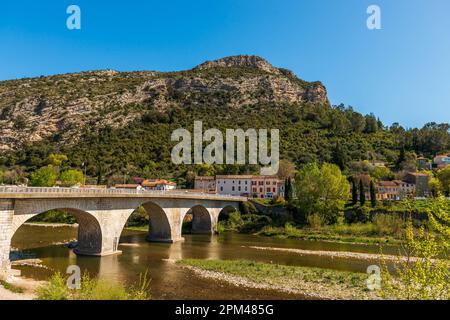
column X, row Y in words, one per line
column 14, row 192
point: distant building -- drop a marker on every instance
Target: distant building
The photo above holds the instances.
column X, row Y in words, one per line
column 423, row 163
column 242, row 185
column 235, row 185
column 266, row 186
column 158, row 184
column 406, row 189
column 128, row 186
column 205, row 184
column 378, row 163
column 420, row 180
column 387, row 190
column 441, row 161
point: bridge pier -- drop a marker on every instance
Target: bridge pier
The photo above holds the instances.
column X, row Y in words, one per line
column 6, row 217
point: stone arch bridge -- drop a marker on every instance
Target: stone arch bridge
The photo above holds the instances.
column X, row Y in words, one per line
column 102, row 214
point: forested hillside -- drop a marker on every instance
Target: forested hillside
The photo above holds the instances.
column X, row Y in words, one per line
column 121, row 123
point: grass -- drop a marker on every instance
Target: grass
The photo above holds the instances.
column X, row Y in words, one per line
column 138, row 228
column 93, row 289
column 11, row 287
column 354, row 233
column 317, row 282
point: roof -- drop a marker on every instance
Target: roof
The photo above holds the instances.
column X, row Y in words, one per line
column 126, row 186
column 205, row 177
column 418, row 174
column 235, row 177
column 387, row 183
column 155, row 182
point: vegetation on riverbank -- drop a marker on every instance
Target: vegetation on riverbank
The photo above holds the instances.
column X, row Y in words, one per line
column 93, row 289
column 11, row 287
column 313, row 282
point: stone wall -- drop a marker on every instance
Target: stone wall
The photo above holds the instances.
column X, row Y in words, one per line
column 6, row 216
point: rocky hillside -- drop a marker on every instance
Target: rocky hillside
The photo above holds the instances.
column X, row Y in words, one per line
column 66, row 105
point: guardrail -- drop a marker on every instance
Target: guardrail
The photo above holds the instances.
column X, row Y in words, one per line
column 89, row 191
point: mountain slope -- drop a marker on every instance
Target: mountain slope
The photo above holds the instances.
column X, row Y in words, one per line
column 33, row 109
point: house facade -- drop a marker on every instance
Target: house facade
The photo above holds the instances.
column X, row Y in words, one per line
column 387, row 190
column 158, row 184
column 441, row 161
column 235, row 185
column 420, row 180
column 205, row 184
column 242, row 185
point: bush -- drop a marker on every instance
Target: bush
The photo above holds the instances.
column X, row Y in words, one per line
column 315, row 221
column 389, row 225
column 93, row 289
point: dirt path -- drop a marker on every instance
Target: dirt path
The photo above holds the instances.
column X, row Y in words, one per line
column 27, row 285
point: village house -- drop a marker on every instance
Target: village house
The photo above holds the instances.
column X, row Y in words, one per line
column 406, row 189
column 205, row 184
column 266, row 187
column 441, row 161
column 423, row 163
column 128, row 186
column 378, row 163
column 235, row 185
column 242, row 185
column 420, row 180
column 387, row 190
column 158, row 184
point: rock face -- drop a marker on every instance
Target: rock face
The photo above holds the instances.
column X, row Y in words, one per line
column 33, row 109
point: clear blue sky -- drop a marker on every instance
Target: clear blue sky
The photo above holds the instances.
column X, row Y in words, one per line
column 400, row 73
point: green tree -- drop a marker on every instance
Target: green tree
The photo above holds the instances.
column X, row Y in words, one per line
column 373, row 195
column 422, row 271
column 362, row 193
column 288, row 189
column 354, row 192
column 444, row 178
column 44, row 177
column 435, row 186
column 322, row 190
column 56, row 159
column 71, row 177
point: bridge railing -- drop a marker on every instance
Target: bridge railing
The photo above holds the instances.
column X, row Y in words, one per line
column 112, row 191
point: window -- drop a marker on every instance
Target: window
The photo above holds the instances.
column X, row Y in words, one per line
column 232, row 188
column 239, row 181
column 260, row 189
column 239, row 188
column 274, row 183
column 246, row 189
column 246, row 181
column 273, row 190
column 268, row 189
column 221, row 188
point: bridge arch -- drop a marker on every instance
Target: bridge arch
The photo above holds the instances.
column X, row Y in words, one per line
column 89, row 229
column 202, row 220
column 159, row 227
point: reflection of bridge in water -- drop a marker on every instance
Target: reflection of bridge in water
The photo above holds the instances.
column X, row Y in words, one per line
column 102, row 214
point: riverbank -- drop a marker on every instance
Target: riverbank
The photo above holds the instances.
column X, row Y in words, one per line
column 19, row 288
column 315, row 283
column 334, row 234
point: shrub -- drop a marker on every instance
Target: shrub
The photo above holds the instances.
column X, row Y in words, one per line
column 93, row 289
column 389, row 224
column 315, row 221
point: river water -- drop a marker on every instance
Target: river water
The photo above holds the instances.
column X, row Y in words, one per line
column 168, row 280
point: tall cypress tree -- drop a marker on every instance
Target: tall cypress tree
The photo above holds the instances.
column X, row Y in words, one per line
column 287, row 189
column 373, row 196
column 354, row 192
column 362, row 193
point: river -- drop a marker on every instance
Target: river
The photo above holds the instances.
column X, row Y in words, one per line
column 168, row 280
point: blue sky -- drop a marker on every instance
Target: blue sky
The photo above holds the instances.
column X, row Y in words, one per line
column 400, row 73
